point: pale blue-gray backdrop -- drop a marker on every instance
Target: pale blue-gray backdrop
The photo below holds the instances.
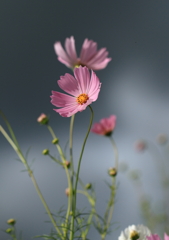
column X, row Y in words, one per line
column 134, row 87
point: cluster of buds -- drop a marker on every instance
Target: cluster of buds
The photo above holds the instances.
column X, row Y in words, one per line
column 10, row 222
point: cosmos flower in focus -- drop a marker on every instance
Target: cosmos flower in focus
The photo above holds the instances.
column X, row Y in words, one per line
column 89, row 56
column 105, row 126
column 134, row 232
column 83, row 89
column 156, row 237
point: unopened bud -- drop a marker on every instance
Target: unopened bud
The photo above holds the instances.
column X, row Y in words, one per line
column 112, row 172
column 66, row 164
column 11, row 221
column 67, row 192
column 55, row 141
column 43, row 119
column 45, row 152
column 88, row 186
column 162, row 139
column 8, row 230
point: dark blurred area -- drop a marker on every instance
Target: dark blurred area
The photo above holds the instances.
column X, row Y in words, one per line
column 134, row 87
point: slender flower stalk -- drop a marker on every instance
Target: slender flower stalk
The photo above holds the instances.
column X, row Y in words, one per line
column 70, row 186
column 23, row 160
column 77, row 176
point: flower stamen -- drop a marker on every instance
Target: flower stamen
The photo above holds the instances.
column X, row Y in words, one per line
column 82, row 98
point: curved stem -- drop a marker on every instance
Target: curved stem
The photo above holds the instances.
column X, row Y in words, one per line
column 78, row 171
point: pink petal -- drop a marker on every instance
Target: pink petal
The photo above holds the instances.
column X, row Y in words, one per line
column 67, row 111
column 98, row 129
column 62, row 55
column 153, row 237
column 89, row 49
column 99, row 66
column 68, row 64
column 99, row 56
column 166, row 237
column 62, row 100
column 69, row 84
column 71, row 50
column 83, row 78
column 94, row 87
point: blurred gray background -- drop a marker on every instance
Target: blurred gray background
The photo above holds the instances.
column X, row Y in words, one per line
column 134, row 87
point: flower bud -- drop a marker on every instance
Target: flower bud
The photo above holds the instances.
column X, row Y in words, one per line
column 112, row 172
column 88, row 186
column 45, row 152
column 55, row 141
column 67, row 192
column 11, row 221
column 9, row 230
column 43, row 119
column 66, row 164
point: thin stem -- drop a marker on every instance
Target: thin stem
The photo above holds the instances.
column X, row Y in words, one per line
column 115, row 152
column 71, row 143
column 78, row 171
column 67, row 175
column 23, row 160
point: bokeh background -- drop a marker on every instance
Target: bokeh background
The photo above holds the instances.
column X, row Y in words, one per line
column 134, row 87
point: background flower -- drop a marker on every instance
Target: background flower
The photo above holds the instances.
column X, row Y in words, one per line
column 89, row 55
column 134, row 232
column 84, row 90
column 105, row 126
column 156, row 237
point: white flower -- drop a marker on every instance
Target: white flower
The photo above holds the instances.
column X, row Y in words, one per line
column 133, row 232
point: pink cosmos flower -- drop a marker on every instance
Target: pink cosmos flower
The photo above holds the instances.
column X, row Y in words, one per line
column 156, row 237
column 105, row 126
column 84, row 90
column 89, row 55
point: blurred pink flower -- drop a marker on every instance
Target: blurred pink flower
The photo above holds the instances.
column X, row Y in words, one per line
column 140, row 145
column 84, row 90
column 156, row 237
column 89, row 55
column 105, row 126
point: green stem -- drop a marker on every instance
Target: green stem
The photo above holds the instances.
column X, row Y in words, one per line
column 68, row 179
column 77, row 175
column 71, row 144
column 115, row 153
column 23, row 160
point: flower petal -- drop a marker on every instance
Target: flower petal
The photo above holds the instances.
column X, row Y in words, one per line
column 62, row 55
column 83, row 78
column 61, row 99
column 71, row 50
column 89, row 49
column 69, row 84
column 94, row 87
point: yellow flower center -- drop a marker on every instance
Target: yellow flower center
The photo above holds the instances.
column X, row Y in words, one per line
column 82, row 98
column 134, row 235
